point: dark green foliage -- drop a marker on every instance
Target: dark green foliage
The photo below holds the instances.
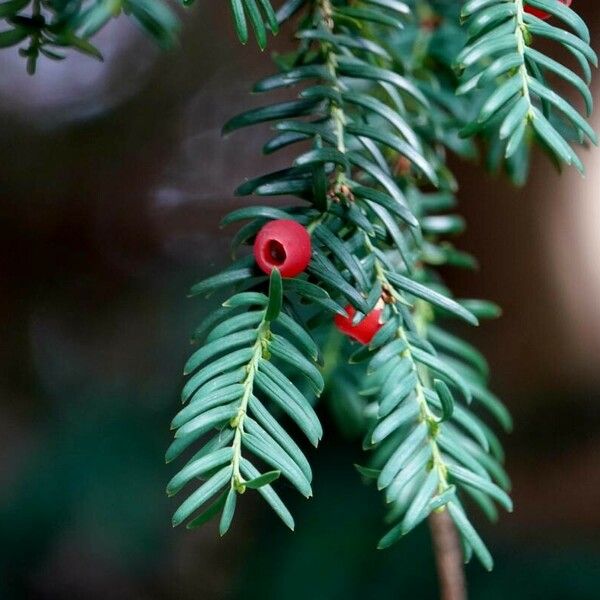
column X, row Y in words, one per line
column 373, row 103
column 518, row 100
column 244, row 365
column 49, row 27
column 373, row 112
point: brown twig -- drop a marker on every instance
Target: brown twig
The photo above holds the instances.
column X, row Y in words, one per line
column 448, row 556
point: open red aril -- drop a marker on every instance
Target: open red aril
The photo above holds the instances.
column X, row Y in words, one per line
column 537, row 12
column 284, row 244
column 365, row 330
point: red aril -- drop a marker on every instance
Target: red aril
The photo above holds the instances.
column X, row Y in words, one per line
column 284, row 244
column 365, row 330
column 541, row 13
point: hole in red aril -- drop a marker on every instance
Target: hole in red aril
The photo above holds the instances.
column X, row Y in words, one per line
column 275, row 253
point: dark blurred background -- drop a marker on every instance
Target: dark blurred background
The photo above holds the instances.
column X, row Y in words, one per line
column 113, row 178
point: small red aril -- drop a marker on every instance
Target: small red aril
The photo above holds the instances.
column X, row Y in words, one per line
column 542, row 14
column 365, row 330
column 284, row 244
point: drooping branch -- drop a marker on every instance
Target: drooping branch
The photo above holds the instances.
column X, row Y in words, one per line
column 374, row 243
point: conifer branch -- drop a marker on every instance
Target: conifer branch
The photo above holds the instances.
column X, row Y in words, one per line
column 371, row 237
column 378, row 105
column 519, row 102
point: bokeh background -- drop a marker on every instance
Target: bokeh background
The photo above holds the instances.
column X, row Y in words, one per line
column 113, row 178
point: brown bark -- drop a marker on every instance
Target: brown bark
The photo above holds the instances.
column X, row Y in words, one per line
column 448, row 556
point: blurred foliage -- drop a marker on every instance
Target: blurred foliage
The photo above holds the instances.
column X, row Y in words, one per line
column 83, row 475
column 48, row 27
